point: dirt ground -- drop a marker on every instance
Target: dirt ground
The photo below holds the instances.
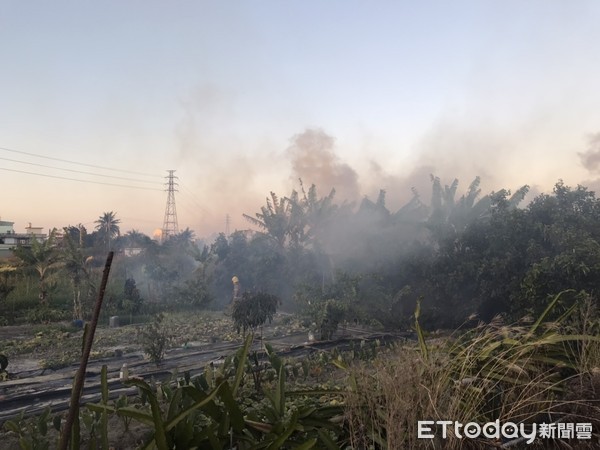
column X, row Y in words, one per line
column 32, row 348
column 40, row 352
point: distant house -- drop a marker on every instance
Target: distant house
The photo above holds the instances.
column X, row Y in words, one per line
column 9, row 239
column 132, row 251
column 6, row 227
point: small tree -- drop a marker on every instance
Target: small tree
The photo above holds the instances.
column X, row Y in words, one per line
column 193, row 292
column 332, row 315
column 76, row 266
column 155, row 339
column 43, row 259
column 253, row 310
column 132, row 300
column 7, row 281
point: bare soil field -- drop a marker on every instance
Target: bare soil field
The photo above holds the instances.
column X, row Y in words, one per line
column 42, row 349
column 43, row 360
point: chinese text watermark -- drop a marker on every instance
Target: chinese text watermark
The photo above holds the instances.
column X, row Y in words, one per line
column 506, row 431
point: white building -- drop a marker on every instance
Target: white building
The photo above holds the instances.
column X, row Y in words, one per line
column 9, row 239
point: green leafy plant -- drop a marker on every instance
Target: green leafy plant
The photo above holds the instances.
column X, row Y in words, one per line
column 123, row 402
column 132, row 301
column 32, row 434
column 297, row 417
column 253, row 310
column 210, row 411
column 333, row 314
column 155, row 338
column 45, row 314
column 194, row 292
column 209, row 402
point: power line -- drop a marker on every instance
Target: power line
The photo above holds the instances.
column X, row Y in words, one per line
column 196, row 217
column 81, row 181
column 77, row 163
column 77, row 171
column 192, row 196
column 137, row 219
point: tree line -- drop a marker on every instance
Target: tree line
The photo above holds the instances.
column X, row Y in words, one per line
column 463, row 256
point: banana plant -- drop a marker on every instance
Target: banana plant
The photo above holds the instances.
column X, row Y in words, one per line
column 175, row 425
column 293, row 417
column 33, row 435
column 205, row 412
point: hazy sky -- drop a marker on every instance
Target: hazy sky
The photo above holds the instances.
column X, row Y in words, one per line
column 224, row 93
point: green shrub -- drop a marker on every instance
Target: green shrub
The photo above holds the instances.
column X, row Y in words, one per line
column 253, row 310
column 45, row 314
column 155, row 338
column 194, row 292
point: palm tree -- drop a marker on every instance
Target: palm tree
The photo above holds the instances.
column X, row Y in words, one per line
column 449, row 216
column 107, row 227
column 295, row 220
column 275, row 219
column 76, row 266
column 317, row 214
column 43, row 257
column 136, row 239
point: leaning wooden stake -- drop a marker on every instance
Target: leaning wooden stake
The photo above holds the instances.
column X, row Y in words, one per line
column 87, row 347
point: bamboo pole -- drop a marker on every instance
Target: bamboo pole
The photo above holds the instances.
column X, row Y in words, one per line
column 87, row 347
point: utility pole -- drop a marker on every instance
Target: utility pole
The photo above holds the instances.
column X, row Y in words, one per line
column 170, row 227
column 227, row 219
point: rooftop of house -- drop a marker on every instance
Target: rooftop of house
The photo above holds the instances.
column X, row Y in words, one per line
column 7, row 228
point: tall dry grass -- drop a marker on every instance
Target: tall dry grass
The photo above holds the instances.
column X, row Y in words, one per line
column 528, row 372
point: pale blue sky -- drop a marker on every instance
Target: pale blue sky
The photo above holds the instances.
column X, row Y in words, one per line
column 503, row 89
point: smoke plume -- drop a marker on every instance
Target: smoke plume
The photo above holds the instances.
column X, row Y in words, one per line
column 591, row 158
column 315, row 162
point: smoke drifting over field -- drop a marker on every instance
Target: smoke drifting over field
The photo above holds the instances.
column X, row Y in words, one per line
column 239, row 184
column 230, row 175
column 314, row 160
column 590, row 160
column 591, row 157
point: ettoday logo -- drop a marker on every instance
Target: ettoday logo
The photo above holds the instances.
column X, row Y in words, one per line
column 506, row 431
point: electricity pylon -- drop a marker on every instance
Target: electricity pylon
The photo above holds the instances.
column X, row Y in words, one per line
column 170, row 227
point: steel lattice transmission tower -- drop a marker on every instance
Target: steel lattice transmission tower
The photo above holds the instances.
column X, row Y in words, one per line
column 170, row 227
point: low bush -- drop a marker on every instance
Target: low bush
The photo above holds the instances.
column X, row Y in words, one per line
column 253, row 310
column 155, row 338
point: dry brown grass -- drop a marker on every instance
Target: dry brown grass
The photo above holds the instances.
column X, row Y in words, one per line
column 522, row 373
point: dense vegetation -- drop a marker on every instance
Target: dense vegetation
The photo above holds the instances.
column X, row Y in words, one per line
column 518, row 282
column 368, row 396
column 474, row 254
